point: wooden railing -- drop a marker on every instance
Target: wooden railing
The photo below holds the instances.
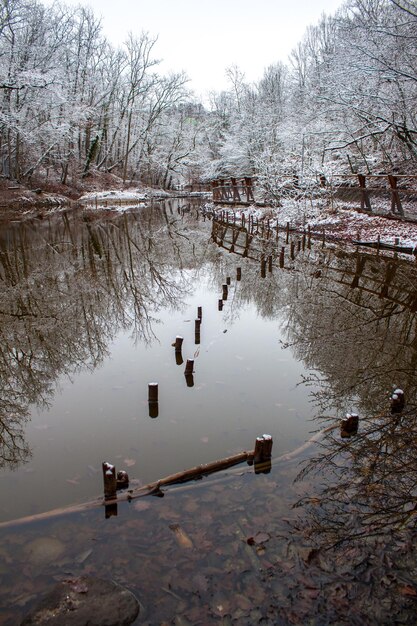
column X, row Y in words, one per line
column 237, row 191
column 233, row 191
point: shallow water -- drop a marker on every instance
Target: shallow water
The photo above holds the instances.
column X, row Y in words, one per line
column 98, row 325
column 90, row 307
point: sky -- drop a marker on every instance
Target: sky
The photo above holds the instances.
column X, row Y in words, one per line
column 205, row 37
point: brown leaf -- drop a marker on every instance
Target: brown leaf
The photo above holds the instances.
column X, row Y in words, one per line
column 407, row 590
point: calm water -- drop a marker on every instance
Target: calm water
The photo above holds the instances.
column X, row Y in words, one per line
column 91, row 312
column 90, row 305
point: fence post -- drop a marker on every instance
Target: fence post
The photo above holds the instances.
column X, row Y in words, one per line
column 365, row 202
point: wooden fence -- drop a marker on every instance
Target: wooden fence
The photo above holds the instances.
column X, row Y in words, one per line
column 387, row 277
column 233, row 191
column 365, row 188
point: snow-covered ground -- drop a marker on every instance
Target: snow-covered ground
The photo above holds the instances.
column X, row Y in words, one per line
column 343, row 222
column 105, row 198
column 340, row 222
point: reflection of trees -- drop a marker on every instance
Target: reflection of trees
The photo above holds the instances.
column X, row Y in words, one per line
column 371, row 480
column 358, row 331
column 349, row 317
column 68, row 285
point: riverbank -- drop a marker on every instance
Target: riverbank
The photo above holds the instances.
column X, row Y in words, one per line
column 342, row 221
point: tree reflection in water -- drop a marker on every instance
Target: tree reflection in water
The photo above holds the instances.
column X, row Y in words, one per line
column 68, row 285
column 351, row 317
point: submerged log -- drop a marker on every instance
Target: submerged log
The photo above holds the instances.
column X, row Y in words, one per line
column 153, row 488
column 178, row 478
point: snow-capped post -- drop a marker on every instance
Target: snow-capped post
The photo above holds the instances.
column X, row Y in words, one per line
column 281, row 258
column 122, row 480
column 224, row 287
column 259, row 444
column 200, row 312
column 262, row 454
column 292, row 250
column 178, row 343
column 178, row 349
column 228, row 280
column 220, row 305
column 153, row 399
column 189, row 372
column 238, row 273
column 397, row 401
column 349, row 425
column 152, row 392
column 109, row 480
column 287, row 238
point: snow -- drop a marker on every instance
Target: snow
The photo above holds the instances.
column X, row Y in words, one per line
column 339, row 223
column 119, row 199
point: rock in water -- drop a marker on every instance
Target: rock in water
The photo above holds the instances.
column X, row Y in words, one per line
column 44, row 550
column 85, row 601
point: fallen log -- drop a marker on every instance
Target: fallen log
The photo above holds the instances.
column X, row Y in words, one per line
column 154, row 488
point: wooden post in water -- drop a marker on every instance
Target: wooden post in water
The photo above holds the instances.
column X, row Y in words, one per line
column 397, row 401
column 228, row 280
column 178, row 343
column 109, row 480
column 200, row 312
column 197, row 325
column 270, row 263
column 304, row 241
column 287, row 239
column 349, row 425
column 225, row 291
column 110, row 489
column 281, row 258
column 189, row 372
column 153, row 392
column 220, row 305
column 238, row 273
column 153, row 404
column 263, row 267
column 292, row 250
column 262, row 454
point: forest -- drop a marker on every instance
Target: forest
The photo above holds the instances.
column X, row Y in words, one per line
column 74, row 106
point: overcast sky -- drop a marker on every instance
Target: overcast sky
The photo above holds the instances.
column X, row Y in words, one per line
column 204, row 37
